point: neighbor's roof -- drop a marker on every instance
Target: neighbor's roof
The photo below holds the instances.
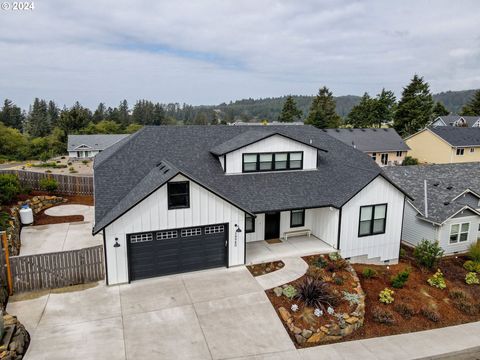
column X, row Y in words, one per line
column 94, row 142
column 449, row 120
column 458, row 136
column 131, row 171
column 444, row 183
column 371, row 140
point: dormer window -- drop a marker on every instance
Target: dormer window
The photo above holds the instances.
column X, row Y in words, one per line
column 272, row 161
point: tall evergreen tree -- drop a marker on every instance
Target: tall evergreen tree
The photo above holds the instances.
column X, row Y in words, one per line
column 439, row 110
column 290, row 111
column 53, row 113
column 322, row 111
column 74, row 119
column 100, row 113
column 38, row 124
column 123, row 113
column 472, row 108
column 415, row 107
column 363, row 115
column 385, row 107
column 11, row 115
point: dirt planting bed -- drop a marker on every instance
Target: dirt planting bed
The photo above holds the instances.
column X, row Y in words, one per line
column 265, row 268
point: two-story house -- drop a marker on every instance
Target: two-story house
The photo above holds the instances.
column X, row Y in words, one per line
column 383, row 145
column 456, row 120
column 172, row 199
column 445, row 144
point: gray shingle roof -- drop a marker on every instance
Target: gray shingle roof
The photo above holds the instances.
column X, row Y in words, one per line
column 450, row 119
column 94, row 142
column 444, row 183
column 249, row 137
column 126, row 175
column 458, row 136
column 371, row 140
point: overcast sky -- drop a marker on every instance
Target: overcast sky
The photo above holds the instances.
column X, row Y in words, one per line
column 208, row 52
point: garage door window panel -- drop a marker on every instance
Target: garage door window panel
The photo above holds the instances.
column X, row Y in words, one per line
column 178, row 195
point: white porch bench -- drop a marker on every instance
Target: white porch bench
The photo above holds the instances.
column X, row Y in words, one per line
column 298, row 232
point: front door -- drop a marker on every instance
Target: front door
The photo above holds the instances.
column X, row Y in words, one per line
column 272, row 225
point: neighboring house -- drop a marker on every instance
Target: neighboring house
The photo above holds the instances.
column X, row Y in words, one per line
column 446, row 206
column 87, row 146
column 383, row 145
column 445, row 144
column 171, row 199
column 266, row 124
column 456, row 120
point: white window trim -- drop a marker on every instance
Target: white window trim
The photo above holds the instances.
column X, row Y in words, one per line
column 459, row 233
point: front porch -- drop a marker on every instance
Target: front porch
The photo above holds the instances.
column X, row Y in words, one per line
column 262, row 251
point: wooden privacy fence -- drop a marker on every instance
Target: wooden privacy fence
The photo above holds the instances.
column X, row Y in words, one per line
column 67, row 184
column 59, row 269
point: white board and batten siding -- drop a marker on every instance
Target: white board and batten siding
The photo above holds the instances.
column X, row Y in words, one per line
column 415, row 229
column 382, row 246
column 473, row 234
column 152, row 214
column 323, row 222
column 275, row 143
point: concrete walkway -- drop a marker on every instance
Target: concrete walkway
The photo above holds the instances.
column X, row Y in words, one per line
column 60, row 237
column 214, row 314
column 294, row 268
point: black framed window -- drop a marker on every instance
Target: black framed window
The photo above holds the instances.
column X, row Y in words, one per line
column 249, row 223
column 272, row 161
column 372, row 220
column 265, row 162
column 374, row 156
column 178, row 195
column 384, row 159
column 297, row 218
column 281, row 161
column 295, row 160
column 399, row 153
column 460, row 151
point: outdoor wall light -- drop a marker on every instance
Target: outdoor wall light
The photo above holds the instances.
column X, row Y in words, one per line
column 116, row 245
column 238, row 231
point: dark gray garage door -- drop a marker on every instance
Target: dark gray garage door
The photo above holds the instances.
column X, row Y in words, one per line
column 177, row 250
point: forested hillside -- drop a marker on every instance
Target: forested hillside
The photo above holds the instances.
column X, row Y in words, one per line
column 454, row 100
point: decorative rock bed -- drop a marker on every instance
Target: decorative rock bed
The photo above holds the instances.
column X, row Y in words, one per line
column 15, row 339
column 328, row 327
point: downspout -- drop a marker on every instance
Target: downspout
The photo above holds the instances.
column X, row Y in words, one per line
column 426, row 198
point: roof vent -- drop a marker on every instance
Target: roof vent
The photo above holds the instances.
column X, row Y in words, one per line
column 446, row 203
column 337, row 130
column 385, row 129
column 449, row 187
column 166, row 170
column 363, row 130
column 436, row 184
column 374, row 129
column 311, row 141
column 351, row 130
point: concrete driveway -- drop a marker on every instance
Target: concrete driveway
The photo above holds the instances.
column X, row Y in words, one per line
column 60, row 237
column 215, row 314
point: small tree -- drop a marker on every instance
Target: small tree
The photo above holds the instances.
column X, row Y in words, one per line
column 428, row 253
column 322, row 111
column 48, row 184
column 9, row 187
column 290, row 112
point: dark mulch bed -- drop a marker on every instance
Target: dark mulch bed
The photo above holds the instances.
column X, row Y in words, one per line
column 42, row 219
column 265, row 268
column 418, row 294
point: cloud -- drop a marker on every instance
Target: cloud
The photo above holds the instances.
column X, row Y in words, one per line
column 210, row 51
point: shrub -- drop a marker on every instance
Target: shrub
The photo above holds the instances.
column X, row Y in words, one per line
column 44, row 157
column 430, row 313
column 289, row 291
column 403, row 253
column 386, row 296
column 338, row 280
column 85, row 162
column 315, row 272
column 334, row 256
column 409, row 161
column 428, row 253
column 467, row 307
column 437, row 280
column 399, row 280
column 369, row 273
column 48, row 184
column 472, row 279
column 336, row 265
column 9, row 187
column 353, row 299
column 316, row 294
column 320, row 262
column 69, row 163
column 457, row 294
column 4, row 218
column 471, row 266
column 383, row 316
column 474, row 252
column 406, row 310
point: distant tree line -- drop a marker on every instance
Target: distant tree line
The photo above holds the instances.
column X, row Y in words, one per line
column 42, row 130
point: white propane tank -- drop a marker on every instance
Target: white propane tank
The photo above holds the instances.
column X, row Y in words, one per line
column 26, row 215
